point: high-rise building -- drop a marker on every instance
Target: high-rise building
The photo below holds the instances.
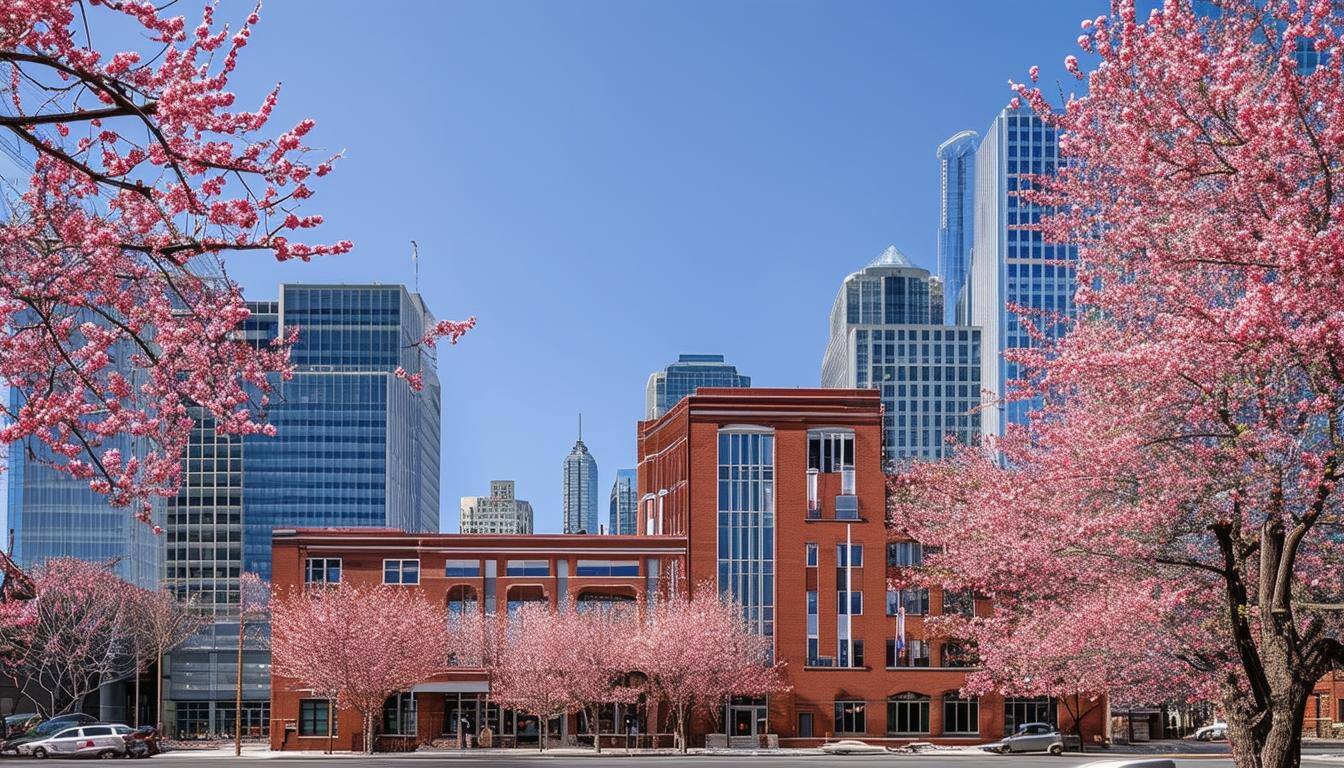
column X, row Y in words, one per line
column 623, row 504
column 580, row 507
column 500, row 512
column 1010, row 265
column 956, row 222
column 354, row 446
column 927, row 373
column 666, row 387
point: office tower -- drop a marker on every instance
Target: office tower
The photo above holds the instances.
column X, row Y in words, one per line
column 580, row 507
column 928, row 374
column 624, row 500
column 666, row 387
column 956, row 222
column 354, row 446
column 500, row 512
column 1009, row 264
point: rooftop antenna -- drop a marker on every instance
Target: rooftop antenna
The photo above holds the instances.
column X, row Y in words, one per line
column 415, row 262
column 580, row 426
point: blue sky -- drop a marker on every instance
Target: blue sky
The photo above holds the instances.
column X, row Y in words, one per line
column 608, row 184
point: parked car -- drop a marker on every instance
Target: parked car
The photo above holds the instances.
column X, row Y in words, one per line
column 1212, row 732
column 143, row 742
column 44, row 729
column 105, row 740
column 1031, row 737
column 1142, row 762
column 16, row 724
column 852, row 747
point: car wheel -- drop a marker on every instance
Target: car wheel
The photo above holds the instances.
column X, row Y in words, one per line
column 1056, row 749
column 39, row 753
column 107, row 754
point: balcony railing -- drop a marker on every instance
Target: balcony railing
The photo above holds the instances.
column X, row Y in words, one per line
column 846, row 507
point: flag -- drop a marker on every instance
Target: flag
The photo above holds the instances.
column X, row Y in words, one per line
column 900, row 628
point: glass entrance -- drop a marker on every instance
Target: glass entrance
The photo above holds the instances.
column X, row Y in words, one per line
column 746, row 717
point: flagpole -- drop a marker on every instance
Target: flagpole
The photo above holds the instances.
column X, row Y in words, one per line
column 849, row 600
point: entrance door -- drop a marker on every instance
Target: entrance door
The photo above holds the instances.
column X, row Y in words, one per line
column 743, row 721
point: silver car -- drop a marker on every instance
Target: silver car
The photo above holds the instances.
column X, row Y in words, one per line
column 105, row 740
column 1031, row 737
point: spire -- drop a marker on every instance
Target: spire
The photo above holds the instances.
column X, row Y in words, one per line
column 580, row 426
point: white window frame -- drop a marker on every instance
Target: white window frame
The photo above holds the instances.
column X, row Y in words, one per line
column 401, row 571
column 326, row 561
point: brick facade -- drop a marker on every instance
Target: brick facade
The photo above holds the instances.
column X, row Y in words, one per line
column 679, row 546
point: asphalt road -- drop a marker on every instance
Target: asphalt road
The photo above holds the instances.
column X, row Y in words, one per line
column 187, row 760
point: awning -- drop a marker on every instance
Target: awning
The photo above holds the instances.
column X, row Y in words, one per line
column 455, row 686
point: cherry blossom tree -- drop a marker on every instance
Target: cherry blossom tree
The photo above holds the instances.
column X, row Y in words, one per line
column 253, row 614
column 1171, row 511
column 159, row 622
column 605, row 653
column 697, row 651
column 358, row 644
column 534, row 666
column 117, row 311
column 77, row 634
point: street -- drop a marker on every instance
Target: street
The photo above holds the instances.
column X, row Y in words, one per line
column 796, row 760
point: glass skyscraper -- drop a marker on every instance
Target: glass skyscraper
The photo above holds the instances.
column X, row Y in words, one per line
column 1008, row 264
column 886, row 334
column 354, row 446
column 956, row 222
column 623, row 503
column 580, row 507
column 666, row 387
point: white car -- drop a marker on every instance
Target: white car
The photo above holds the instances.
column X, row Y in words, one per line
column 1161, row 762
column 105, row 740
column 852, row 747
column 1212, row 732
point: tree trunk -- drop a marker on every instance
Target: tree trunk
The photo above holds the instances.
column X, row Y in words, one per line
column 541, row 733
column 158, row 694
column 597, row 732
column 368, row 733
column 135, row 697
column 1275, row 745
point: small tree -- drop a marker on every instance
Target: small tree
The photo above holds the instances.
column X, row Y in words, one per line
column 696, row 652
column 73, row 637
column 254, row 611
column 603, row 654
column 159, row 622
column 535, row 666
column 362, row 643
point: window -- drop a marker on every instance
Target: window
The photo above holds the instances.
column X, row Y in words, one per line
column 855, row 603
column 830, row 450
column 462, row 568
column 908, row 713
column 916, row 601
column 528, row 568
column 98, row 730
column 401, row 571
column 850, row 717
column 1041, row 709
column 856, row 552
column 858, row 653
column 958, row 602
column 811, row 554
column 607, row 568
column 957, row 655
column 399, row 715
column 905, row 554
column 915, row 654
column 805, row 725
column 313, row 717
column 846, row 507
column 960, row 716
column 322, row 570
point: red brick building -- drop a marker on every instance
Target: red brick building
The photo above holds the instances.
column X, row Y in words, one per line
column 775, row 495
column 1325, row 709
column 771, row 488
column 462, row 572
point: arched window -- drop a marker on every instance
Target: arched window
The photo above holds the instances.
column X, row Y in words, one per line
column 462, row 599
column 908, row 714
column 961, row 716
